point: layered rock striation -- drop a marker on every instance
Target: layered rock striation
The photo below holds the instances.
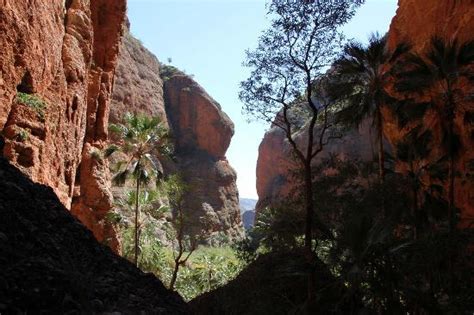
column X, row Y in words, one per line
column 201, row 133
column 56, row 77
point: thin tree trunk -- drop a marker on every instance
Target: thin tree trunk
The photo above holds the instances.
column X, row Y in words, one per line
column 179, row 236
column 136, row 221
column 175, row 273
column 309, row 235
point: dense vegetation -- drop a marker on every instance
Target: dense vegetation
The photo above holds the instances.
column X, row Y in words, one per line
column 386, row 231
column 403, row 261
column 376, row 236
column 152, row 219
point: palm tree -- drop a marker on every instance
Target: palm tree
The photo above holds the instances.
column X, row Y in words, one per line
column 413, row 149
column 362, row 76
column 148, row 203
column 440, row 73
column 140, row 136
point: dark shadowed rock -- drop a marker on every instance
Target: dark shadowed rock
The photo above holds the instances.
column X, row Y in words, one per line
column 50, row 263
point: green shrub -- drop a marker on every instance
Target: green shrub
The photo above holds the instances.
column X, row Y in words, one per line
column 23, row 134
column 32, row 101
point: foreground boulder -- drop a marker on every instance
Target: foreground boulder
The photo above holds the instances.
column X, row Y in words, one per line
column 50, row 263
column 275, row 283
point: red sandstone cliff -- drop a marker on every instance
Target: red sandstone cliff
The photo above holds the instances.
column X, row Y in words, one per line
column 200, row 129
column 416, row 22
column 275, row 162
column 61, row 54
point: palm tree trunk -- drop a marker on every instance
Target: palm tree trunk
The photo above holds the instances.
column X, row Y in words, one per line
column 136, row 221
column 381, row 157
column 415, row 213
column 451, row 206
column 380, row 146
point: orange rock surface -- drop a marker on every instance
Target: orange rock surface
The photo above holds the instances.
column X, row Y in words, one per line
column 276, row 164
column 201, row 133
column 417, row 21
column 63, row 55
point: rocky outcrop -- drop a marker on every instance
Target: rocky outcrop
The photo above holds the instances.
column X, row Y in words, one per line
column 138, row 85
column 275, row 283
column 52, row 264
column 247, row 211
column 56, row 76
column 276, row 165
column 417, row 21
column 203, row 133
column 198, row 121
column 200, row 129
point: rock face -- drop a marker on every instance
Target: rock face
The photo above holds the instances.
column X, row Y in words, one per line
column 56, row 76
column 203, row 133
column 275, row 164
column 138, row 86
column 52, row 264
column 416, row 22
column 200, row 129
column 247, row 211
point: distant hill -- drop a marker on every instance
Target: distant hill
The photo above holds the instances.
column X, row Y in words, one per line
column 247, row 204
column 247, row 211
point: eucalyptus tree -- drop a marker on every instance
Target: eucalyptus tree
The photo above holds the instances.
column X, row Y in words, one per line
column 139, row 137
column 443, row 74
column 287, row 71
column 184, row 244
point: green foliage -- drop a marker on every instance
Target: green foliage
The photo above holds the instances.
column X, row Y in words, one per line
column 381, row 262
column 140, row 136
column 208, row 269
column 168, row 71
column 96, row 155
column 23, row 134
column 32, row 101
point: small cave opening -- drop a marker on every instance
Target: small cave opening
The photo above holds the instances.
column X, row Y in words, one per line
column 68, row 4
column 77, row 179
column 26, row 84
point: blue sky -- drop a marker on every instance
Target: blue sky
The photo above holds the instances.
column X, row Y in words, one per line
column 208, row 38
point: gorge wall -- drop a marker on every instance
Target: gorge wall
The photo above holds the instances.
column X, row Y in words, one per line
column 275, row 165
column 416, row 22
column 201, row 133
column 56, row 76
